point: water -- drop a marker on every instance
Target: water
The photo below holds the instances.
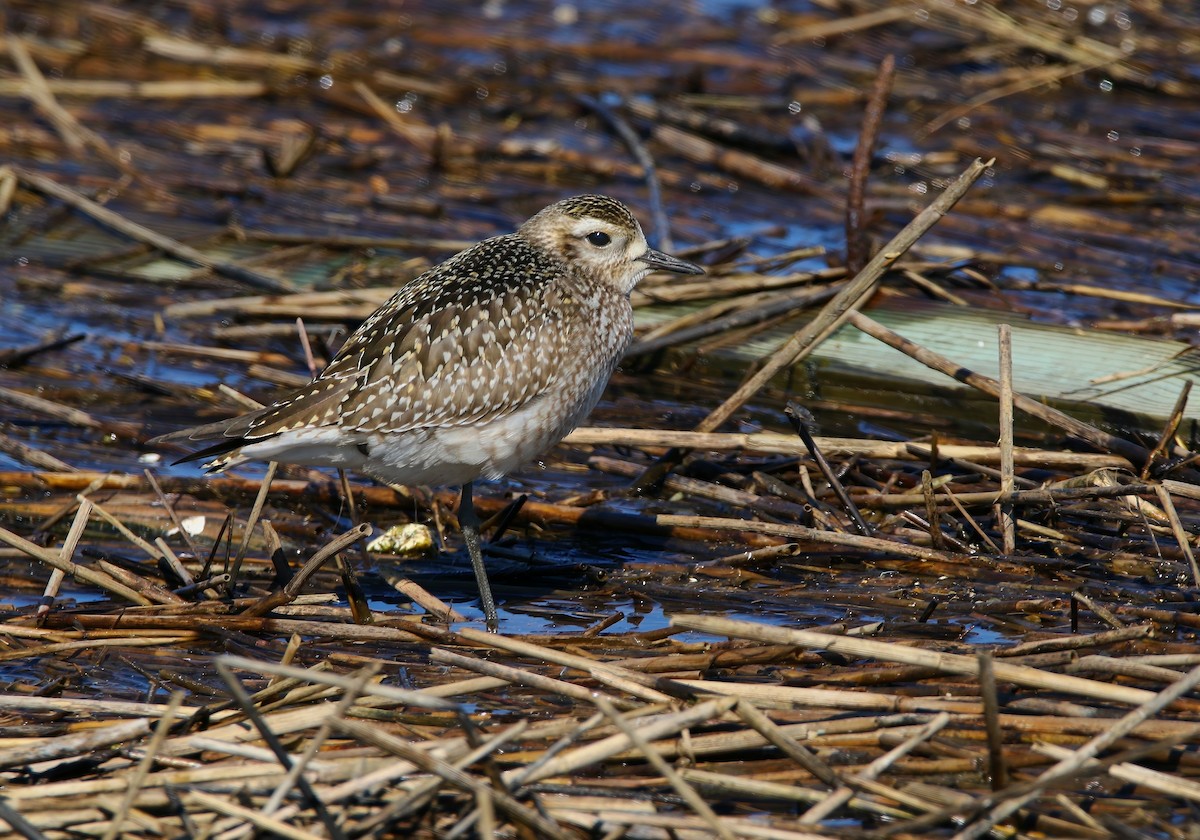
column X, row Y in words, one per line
column 726, row 60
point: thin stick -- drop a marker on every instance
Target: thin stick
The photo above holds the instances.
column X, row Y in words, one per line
column 18, row 823
column 423, row 137
column 660, row 764
column 522, row 677
column 142, row 233
column 122, row 529
column 420, row 699
column 8, row 188
column 936, row 538
column 75, row 744
column 307, row 346
column 258, row 819
column 1079, row 758
column 660, row 237
column 1154, row 779
column 175, row 564
column 143, row 769
column 1028, row 81
column 945, row 662
column 784, row 444
column 320, row 736
column 33, row 457
column 662, row 726
column 874, row 770
column 428, row 601
column 246, row 704
column 620, row 678
column 785, row 743
column 801, row 418
column 422, row 791
column 487, row 814
column 778, row 304
column 359, row 607
column 74, row 134
column 119, row 89
column 851, row 296
column 1136, row 454
column 255, row 512
column 1181, row 535
column 54, row 560
column 1103, row 613
column 1008, row 524
column 1172, row 426
column 860, row 168
column 548, row 755
column 970, row 520
column 170, row 509
column 74, row 416
column 464, row 781
column 154, row 591
column 991, row 719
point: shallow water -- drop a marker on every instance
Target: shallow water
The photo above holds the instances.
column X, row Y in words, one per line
column 206, row 159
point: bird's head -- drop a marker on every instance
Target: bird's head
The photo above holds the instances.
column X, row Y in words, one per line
column 599, row 237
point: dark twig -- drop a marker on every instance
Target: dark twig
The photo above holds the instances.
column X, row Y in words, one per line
column 931, row 510
column 225, row 533
column 660, row 237
column 18, row 823
column 116, row 221
column 16, row 356
column 259, row 501
column 354, row 591
column 246, row 704
column 293, row 587
column 856, row 233
column 991, row 717
column 501, row 521
column 802, row 420
column 1168, row 433
column 208, row 583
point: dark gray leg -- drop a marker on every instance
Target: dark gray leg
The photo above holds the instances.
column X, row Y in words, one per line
column 469, row 523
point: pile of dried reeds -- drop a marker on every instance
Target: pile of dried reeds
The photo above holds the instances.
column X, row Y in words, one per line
column 399, row 728
column 1000, row 639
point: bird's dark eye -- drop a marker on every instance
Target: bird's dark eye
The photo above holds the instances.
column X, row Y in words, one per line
column 599, row 238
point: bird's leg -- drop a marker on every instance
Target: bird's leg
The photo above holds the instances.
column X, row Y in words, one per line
column 469, row 523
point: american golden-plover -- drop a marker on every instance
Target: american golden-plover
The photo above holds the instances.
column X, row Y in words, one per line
column 472, row 369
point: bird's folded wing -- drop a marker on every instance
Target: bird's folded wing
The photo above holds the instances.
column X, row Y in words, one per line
column 416, row 366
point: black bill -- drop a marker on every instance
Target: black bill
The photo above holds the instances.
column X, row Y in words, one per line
column 666, row 262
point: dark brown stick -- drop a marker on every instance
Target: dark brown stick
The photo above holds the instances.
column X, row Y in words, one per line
column 857, row 247
column 1101, row 439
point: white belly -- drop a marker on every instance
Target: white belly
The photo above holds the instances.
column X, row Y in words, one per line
column 458, row 454
column 438, row 455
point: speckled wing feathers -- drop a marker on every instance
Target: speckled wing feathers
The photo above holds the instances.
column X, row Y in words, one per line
column 465, row 342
